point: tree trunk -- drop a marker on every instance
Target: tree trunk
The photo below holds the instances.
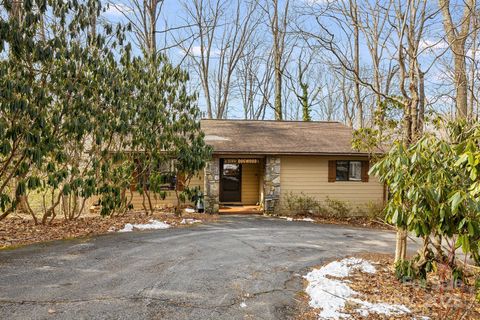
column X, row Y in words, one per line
column 457, row 37
column 278, row 47
column 421, row 103
column 153, row 27
column 356, row 57
column 401, row 245
column 460, row 78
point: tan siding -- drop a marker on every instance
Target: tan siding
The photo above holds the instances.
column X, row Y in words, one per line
column 250, row 185
column 170, row 200
column 310, row 176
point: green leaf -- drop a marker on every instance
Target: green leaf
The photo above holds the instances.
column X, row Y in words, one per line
column 455, row 201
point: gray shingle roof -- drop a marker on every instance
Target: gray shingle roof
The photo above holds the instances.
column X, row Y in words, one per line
column 278, row 137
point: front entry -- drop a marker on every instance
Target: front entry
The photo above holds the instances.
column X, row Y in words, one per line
column 230, row 181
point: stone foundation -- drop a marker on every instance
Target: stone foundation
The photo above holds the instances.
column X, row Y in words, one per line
column 212, row 186
column 271, row 182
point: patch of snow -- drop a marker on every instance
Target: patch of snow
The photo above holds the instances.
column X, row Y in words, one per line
column 127, row 228
column 189, row 210
column 243, row 304
column 292, row 219
column 331, row 295
column 190, row 221
column 152, row 225
column 380, row 308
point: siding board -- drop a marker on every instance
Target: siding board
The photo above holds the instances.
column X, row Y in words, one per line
column 310, row 175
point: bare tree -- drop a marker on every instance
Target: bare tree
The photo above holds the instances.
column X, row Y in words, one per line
column 330, row 104
column 278, row 16
column 375, row 29
column 254, row 79
column 348, row 107
column 408, row 19
column 457, row 36
column 410, row 22
column 303, row 82
column 473, row 67
column 143, row 16
column 219, row 41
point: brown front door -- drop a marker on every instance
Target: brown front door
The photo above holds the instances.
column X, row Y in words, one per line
column 230, row 182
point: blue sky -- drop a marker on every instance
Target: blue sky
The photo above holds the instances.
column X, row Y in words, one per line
column 433, row 44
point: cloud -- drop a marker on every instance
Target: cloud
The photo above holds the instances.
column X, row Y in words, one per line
column 319, row 2
column 431, row 44
column 117, row 9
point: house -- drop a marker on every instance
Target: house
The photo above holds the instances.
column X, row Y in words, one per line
column 262, row 162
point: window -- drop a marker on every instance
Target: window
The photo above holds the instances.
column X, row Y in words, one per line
column 355, row 173
column 348, row 170
column 342, row 170
column 166, row 178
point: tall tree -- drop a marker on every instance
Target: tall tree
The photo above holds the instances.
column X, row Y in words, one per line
column 143, row 16
column 457, row 35
column 221, row 31
column 278, row 22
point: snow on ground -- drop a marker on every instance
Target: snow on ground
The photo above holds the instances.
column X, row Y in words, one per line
column 331, row 295
column 308, row 219
column 153, row 224
column 292, row 219
column 190, row 221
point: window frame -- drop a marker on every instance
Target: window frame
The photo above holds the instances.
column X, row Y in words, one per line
column 348, row 171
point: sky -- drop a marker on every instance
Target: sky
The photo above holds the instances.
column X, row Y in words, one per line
column 173, row 14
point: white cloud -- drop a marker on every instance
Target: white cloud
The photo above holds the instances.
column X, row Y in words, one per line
column 431, row 44
column 319, row 2
column 117, row 9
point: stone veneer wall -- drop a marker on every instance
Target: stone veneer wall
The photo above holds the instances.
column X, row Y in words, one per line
column 271, row 182
column 212, row 186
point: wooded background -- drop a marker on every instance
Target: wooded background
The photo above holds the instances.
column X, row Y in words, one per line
column 317, row 59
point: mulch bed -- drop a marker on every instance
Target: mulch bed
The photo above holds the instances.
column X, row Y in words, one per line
column 435, row 300
column 19, row 230
column 362, row 222
column 356, row 222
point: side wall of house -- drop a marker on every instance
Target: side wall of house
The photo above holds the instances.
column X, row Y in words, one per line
column 170, row 200
column 309, row 175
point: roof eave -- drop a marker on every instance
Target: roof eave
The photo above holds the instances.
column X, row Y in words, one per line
column 259, row 153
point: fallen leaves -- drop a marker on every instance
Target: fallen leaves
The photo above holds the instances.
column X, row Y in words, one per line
column 19, row 230
column 358, row 221
column 435, row 300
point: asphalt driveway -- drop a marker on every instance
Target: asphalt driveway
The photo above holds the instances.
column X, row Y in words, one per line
column 242, row 267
